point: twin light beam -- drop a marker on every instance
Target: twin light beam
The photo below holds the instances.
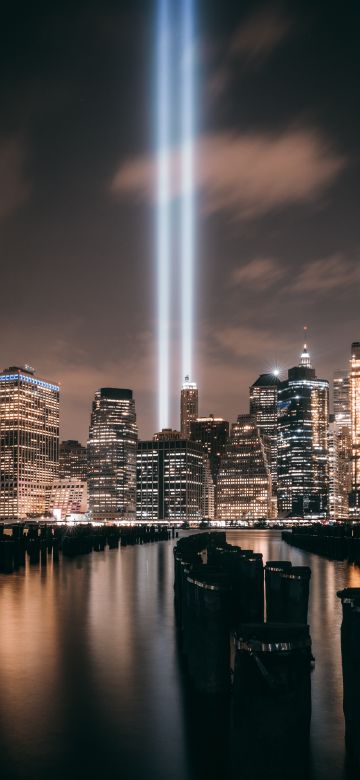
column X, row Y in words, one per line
column 165, row 103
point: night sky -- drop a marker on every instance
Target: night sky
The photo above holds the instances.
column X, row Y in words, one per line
column 278, row 163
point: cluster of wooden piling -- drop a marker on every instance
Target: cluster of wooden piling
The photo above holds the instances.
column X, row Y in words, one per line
column 229, row 648
column 339, row 542
column 350, row 649
column 37, row 541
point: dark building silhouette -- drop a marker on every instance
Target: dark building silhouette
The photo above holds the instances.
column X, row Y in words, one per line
column 72, row 460
column 263, row 406
column 212, row 433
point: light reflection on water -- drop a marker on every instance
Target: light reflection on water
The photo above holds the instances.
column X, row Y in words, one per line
column 90, row 682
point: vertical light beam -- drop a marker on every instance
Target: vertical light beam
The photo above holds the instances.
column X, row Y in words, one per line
column 163, row 207
column 187, row 184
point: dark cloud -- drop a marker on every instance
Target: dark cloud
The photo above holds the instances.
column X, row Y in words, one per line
column 260, row 34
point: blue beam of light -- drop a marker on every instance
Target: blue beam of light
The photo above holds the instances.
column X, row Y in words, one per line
column 187, row 185
column 163, row 208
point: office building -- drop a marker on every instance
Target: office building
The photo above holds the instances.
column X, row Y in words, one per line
column 354, row 500
column 170, row 480
column 263, row 406
column 29, row 442
column 341, row 398
column 189, row 406
column 112, row 450
column 339, row 470
column 72, row 460
column 244, row 480
column 303, row 421
column 212, row 433
column 67, row 496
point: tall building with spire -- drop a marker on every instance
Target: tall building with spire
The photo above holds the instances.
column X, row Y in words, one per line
column 189, row 406
column 303, row 422
column 355, row 428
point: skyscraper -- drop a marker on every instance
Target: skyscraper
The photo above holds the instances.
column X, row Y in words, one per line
column 244, row 481
column 112, row 449
column 29, row 441
column 212, row 433
column 263, row 406
column 189, row 406
column 341, row 397
column 355, row 428
column 72, row 460
column 303, row 420
column 170, row 480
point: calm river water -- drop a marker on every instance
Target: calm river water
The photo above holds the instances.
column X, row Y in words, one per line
column 90, row 679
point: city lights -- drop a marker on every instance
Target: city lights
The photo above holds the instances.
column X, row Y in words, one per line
column 163, row 207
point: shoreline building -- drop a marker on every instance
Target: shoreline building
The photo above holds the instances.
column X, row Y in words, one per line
column 303, row 425
column 170, row 479
column 29, row 442
column 189, row 406
column 263, row 406
column 244, row 481
column 354, row 499
column 212, row 433
column 72, row 460
column 67, row 496
column 112, row 447
column 340, row 448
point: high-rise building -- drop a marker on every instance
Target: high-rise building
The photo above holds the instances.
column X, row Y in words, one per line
column 29, row 442
column 339, row 470
column 244, row 481
column 263, row 406
column 112, row 450
column 341, row 398
column 212, row 433
column 354, row 501
column 303, row 421
column 170, row 480
column 189, row 406
column 67, row 496
column 72, row 460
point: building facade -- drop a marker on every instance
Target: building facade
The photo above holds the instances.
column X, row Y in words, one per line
column 170, row 480
column 212, row 433
column 303, row 423
column 341, row 398
column 29, row 442
column 244, row 481
column 189, row 406
column 339, row 470
column 263, row 406
column 354, row 499
column 72, row 460
column 112, row 448
column 67, row 496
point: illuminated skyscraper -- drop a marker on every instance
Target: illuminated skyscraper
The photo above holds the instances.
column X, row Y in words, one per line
column 212, row 433
column 29, row 442
column 263, row 406
column 341, row 396
column 112, row 449
column 244, row 480
column 189, row 406
column 170, row 479
column 339, row 469
column 303, row 420
column 72, row 460
column 355, row 428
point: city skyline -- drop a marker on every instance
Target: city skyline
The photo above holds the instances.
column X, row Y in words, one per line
column 271, row 256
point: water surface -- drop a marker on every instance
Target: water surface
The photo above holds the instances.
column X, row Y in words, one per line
column 91, row 684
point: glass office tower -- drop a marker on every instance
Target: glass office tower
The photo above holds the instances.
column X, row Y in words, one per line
column 29, row 442
column 263, row 406
column 171, row 479
column 112, row 455
column 303, row 423
column 354, row 502
column 72, row 460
